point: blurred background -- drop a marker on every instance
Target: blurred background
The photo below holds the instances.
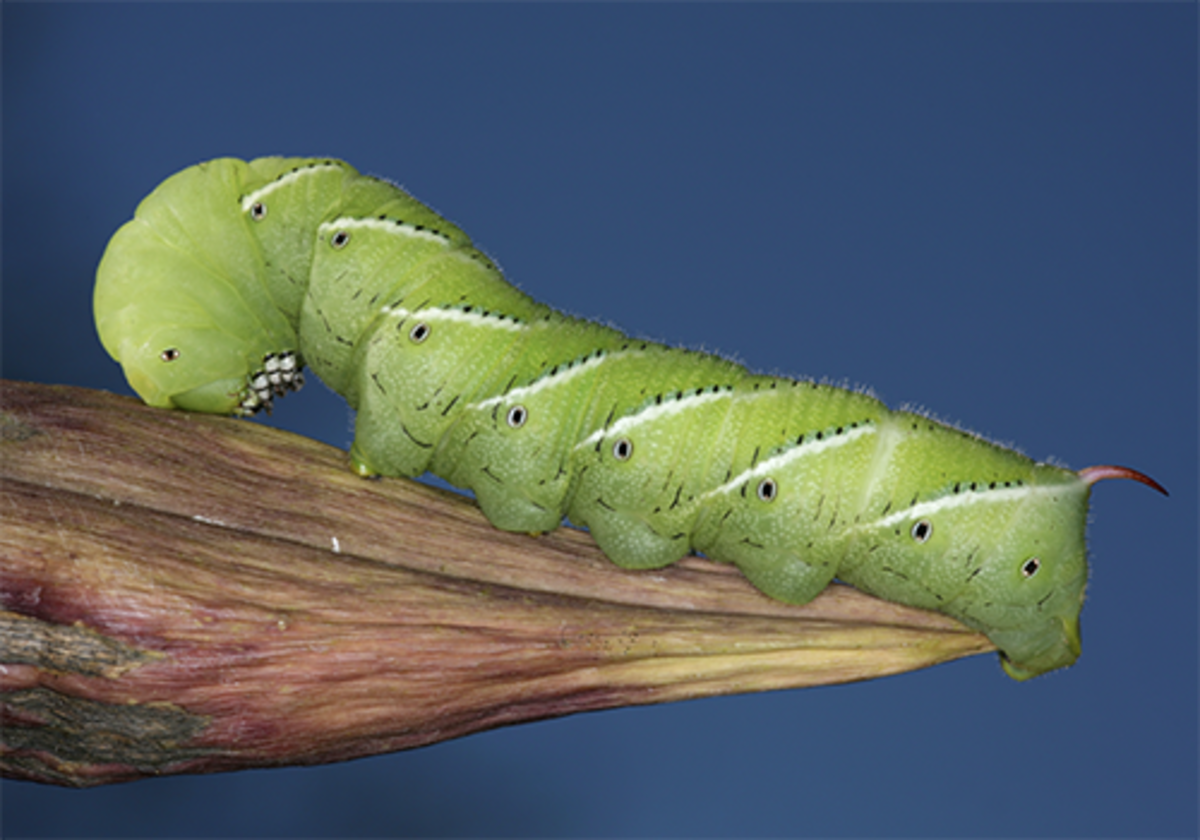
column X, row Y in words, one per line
column 985, row 210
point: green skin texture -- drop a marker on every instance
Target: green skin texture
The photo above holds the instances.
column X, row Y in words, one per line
column 659, row 451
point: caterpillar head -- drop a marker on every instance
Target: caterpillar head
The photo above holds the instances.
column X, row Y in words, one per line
column 180, row 300
column 197, row 366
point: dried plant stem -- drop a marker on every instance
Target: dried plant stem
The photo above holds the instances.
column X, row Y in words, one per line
column 183, row 593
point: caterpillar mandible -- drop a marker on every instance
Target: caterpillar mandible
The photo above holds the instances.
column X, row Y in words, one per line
column 233, row 276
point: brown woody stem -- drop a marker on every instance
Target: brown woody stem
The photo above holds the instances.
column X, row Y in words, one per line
column 183, row 593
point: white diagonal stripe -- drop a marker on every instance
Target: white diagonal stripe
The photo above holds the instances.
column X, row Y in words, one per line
column 386, row 225
column 776, row 462
column 653, row 412
column 969, row 497
column 445, row 316
column 249, row 200
column 565, row 374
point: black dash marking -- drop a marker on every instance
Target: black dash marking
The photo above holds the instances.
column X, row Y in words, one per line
column 421, row 444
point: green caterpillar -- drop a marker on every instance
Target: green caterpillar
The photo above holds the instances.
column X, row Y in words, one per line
column 232, row 276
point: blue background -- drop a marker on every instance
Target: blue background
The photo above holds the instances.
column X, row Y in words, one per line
column 986, row 210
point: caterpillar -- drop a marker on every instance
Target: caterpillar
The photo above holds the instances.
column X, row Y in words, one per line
column 234, row 276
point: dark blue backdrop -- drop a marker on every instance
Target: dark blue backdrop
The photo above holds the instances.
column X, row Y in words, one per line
column 985, row 210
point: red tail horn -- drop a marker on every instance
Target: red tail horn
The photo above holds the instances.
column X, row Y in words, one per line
column 1093, row 474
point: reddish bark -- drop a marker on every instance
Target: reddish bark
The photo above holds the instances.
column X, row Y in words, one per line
column 185, row 593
